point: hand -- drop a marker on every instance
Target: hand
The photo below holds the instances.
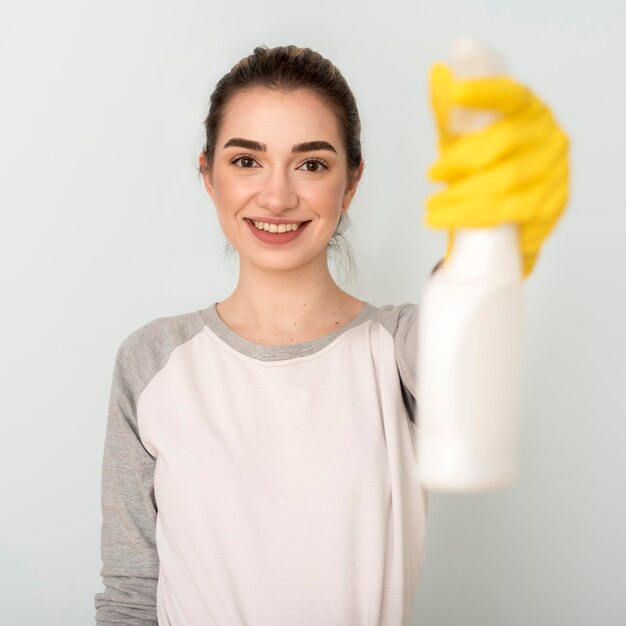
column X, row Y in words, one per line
column 515, row 170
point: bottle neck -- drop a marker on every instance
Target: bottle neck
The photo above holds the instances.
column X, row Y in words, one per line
column 478, row 252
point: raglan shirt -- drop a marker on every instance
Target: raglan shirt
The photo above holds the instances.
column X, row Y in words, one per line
column 258, row 485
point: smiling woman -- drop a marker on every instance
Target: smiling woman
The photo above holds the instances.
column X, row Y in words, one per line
column 259, row 465
column 286, row 69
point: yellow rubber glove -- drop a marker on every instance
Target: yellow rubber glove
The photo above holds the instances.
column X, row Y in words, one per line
column 515, row 170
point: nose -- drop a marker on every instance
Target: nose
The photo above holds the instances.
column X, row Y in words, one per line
column 277, row 192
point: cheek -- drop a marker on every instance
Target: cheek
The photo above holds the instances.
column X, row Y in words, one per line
column 327, row 195
column 229, row 193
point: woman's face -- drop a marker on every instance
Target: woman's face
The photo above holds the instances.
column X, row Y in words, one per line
column 279, row 157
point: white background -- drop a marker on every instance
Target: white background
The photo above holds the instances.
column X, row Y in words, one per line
column 105, row 227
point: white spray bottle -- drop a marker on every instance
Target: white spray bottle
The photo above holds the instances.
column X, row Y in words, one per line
column 470, row 329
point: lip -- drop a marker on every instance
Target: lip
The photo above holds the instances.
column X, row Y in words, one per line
column 275, row 220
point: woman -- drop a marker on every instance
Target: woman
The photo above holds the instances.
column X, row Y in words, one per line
column 259, row 465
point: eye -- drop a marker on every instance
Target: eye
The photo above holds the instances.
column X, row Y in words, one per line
column 245, row 161
column 314, row 165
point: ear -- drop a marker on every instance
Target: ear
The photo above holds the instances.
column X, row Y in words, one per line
column 352, row 186
column 207, row 177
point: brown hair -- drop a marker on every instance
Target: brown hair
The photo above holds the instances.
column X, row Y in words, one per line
column 287, row 68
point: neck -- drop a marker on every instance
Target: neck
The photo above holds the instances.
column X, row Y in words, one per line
column 279, row 300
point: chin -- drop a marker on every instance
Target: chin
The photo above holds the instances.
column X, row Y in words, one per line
column 281, row 260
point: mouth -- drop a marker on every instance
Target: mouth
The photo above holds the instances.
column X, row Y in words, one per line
column 274, row 236
column 299, row 223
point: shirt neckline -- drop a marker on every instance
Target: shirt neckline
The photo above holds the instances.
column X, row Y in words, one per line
column 278, row 352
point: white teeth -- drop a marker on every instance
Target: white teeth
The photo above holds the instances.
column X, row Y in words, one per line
column 276, row 228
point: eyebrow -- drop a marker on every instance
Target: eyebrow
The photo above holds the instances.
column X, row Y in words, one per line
column 307, row 146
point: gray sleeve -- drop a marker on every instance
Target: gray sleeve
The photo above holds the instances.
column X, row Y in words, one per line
column 405, row 341
column 130, row 565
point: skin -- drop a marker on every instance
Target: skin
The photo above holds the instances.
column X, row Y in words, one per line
column 285, row 293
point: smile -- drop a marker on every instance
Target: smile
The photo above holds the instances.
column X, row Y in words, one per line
column 277, row 237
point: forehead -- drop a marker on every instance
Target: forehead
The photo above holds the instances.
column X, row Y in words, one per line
column 273, row 117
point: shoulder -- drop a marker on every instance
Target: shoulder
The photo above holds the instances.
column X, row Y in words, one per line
column 146, row 349
column 162, row 333
column 398, row 319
